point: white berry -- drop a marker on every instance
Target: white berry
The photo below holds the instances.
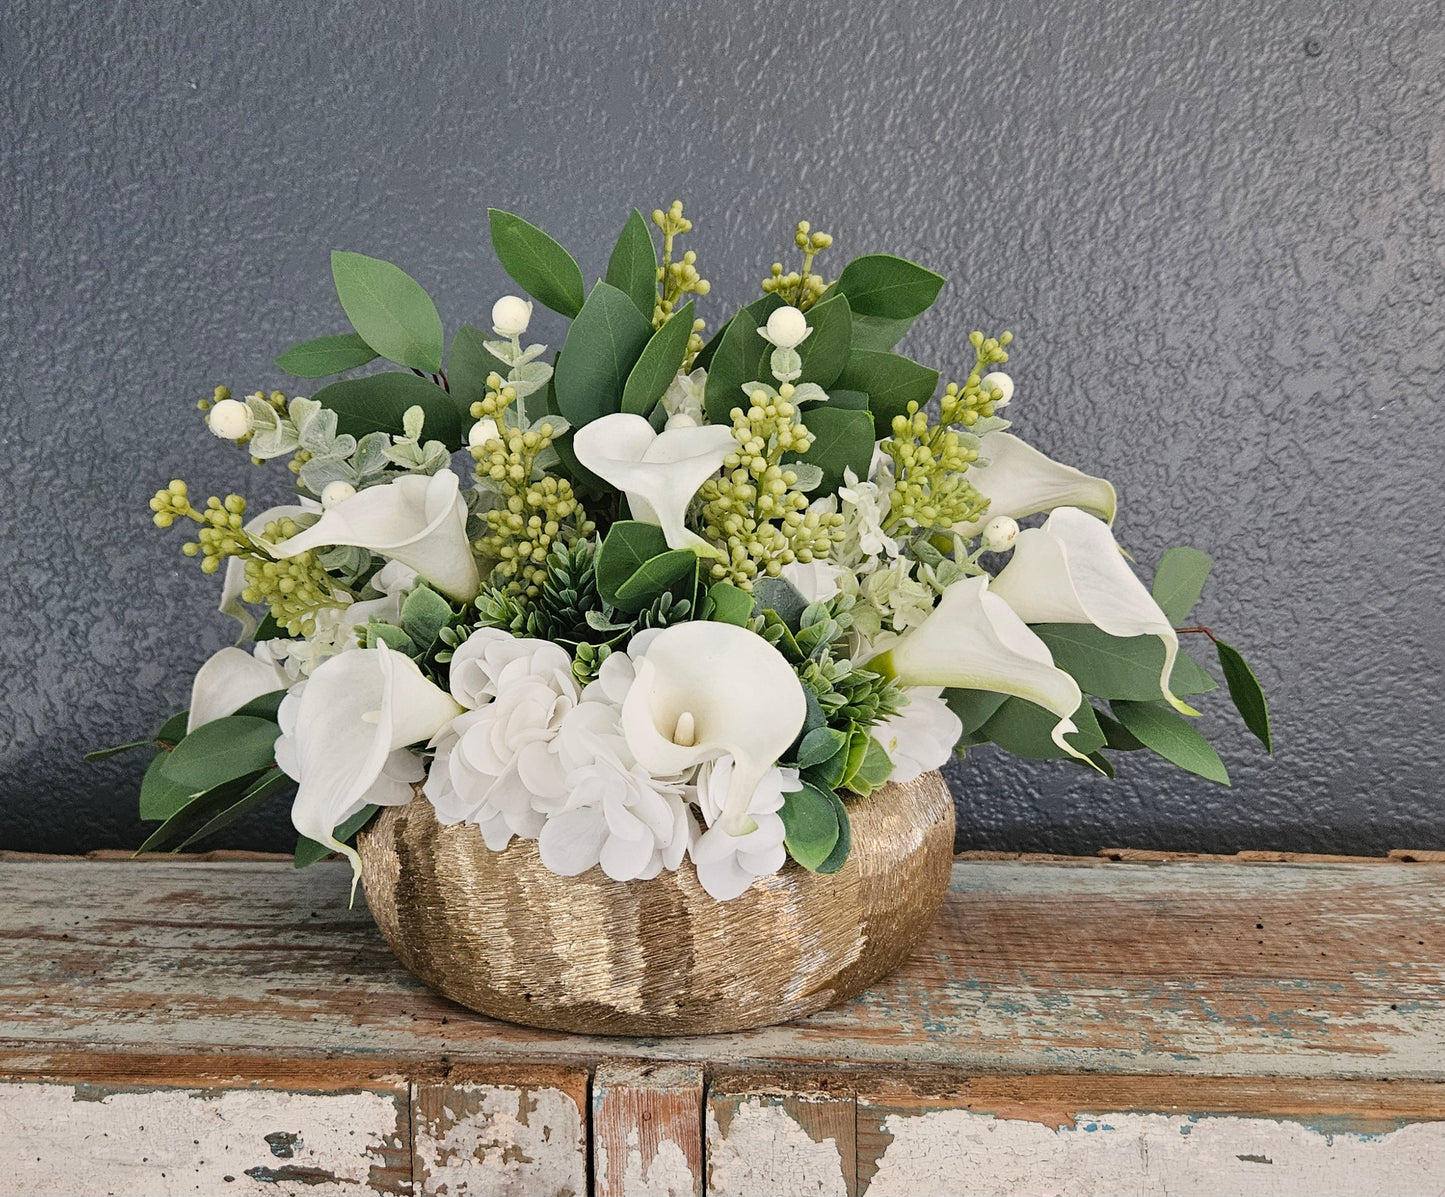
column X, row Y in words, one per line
column 230, row 420
column 999, row 381
column 1000, row 533
column 787, row 328
column 510, row 316
column 482, row 432
column 336, row 492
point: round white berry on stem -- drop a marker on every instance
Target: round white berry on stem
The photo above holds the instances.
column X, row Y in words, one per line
column 788, row 328
column 999, row 381
column 510, row 316
column 1000, row 533
column 229, row 420
column 336, row 492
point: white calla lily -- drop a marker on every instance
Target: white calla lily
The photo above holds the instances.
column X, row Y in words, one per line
column 1072, row 570
column 704, row 689
column 975, row 641
column 228, row 681
column 418, row 520
column 659, row 472
column 1018, row 480
column 357, row 709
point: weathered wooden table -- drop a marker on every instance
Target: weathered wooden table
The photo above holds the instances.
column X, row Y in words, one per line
column 1071, row 1026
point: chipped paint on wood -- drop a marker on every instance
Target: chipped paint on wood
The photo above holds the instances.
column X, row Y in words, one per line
column 495, row 1140
column 647, row 1130
column 68, row 1139
column 964, row 1153
column 779, row 1142
column 1193, row 968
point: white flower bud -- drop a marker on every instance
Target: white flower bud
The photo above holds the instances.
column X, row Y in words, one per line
column 230, row 420
column 788, row 328
column 510, row 316
column 1000, row 533
column 999, row 381
column 681, row 419
column 336, row 492
column 483, row 431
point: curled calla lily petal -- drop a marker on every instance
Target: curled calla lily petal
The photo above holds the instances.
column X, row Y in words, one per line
column 1018, row 480
column 228, row 681
column 704, row 689
column 419, row 521
column 234, row 580
column 659, row 472
column 355, row 711
column 975, row 641
column 1072, row 571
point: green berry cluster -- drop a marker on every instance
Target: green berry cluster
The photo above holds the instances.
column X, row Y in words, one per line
column 931, row 460
column 754, row 513
column 801, row 288
column 295, row 589
column 222, row 523
column 532, row 513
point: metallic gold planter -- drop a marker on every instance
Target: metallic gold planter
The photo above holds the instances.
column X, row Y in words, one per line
column 502, row 935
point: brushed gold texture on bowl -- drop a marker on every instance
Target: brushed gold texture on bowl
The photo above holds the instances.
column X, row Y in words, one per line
column 502, row 935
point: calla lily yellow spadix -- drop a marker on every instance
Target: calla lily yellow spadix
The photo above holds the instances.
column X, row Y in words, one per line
column 975, row 641
column 356, row 710
column 1071, row 570
column 1018, row 481
column 418, row 520
column 707, row 689
column 659, row 472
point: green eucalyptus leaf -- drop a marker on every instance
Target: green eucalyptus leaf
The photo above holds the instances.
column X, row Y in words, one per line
column 389, row 310
column 221, row 751
column 891, row 383
column 839, row 856
column 469, row 361
column 781, row 596
column 423, row 615
column 730, row 604
column 810, row 823
column 658, row 366
column 392, row 636
column 378, row 402
column 654, row 577
column 173, row 730
column 264, row 707
column 842, row 439
column 873, row 770
column 160, row 797
column 825, row 352
column 889, row 288
column 1025, row 730
column 820, row 746
column 1116, row 736
column 1119, row 666
column 829, row 774
column 268, row 783
column 632, row 268
column 876, row 333
column 628, row 545
column 847, row 400
column 309, row 851
column 1246, row 692
column 1172, row 736
column 326, row 355
column 541, row 267
column 602, row 346
column 269, row 629
column 1179, row 581
column 192, row 812
column 974, row 708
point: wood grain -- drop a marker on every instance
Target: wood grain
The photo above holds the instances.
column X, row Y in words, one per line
column 790, row 1138
column 1172, row 968
column 647, row 1130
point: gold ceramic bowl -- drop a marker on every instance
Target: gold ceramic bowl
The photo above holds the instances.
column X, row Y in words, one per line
column 502, row 935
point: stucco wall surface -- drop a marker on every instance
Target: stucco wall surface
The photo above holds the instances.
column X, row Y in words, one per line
column 1215, row 228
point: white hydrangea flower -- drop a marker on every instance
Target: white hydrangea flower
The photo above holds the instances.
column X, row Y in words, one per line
column 728, row 864
column 817, row 581
column 490, row 659
column 921, row 736
column 865, row 507
column 901, row 600
column 483, row 756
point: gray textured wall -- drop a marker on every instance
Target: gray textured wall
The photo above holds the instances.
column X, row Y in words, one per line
column 1215, row 228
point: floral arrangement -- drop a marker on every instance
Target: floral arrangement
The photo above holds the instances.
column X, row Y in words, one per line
column 686, row 597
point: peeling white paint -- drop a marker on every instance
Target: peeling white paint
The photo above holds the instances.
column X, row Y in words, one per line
column 667, row 1174
column 65, row 1140
column 961, row 1153
column 496, row 1139
column 766, row 1152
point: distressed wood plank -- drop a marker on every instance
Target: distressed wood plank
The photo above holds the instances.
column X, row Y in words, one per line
column 67, row 1139
column 782, row 1137
column 647, row 1130
column 523, row 1136
column 1189, row 968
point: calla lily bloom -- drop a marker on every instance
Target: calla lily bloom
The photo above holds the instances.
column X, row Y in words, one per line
column 659, row 472
column 975, row 641
column 1072, row 571
column 228, row 681
column 355, row 711
column 418, row 520
column 1018, row 480
column 705, row 689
